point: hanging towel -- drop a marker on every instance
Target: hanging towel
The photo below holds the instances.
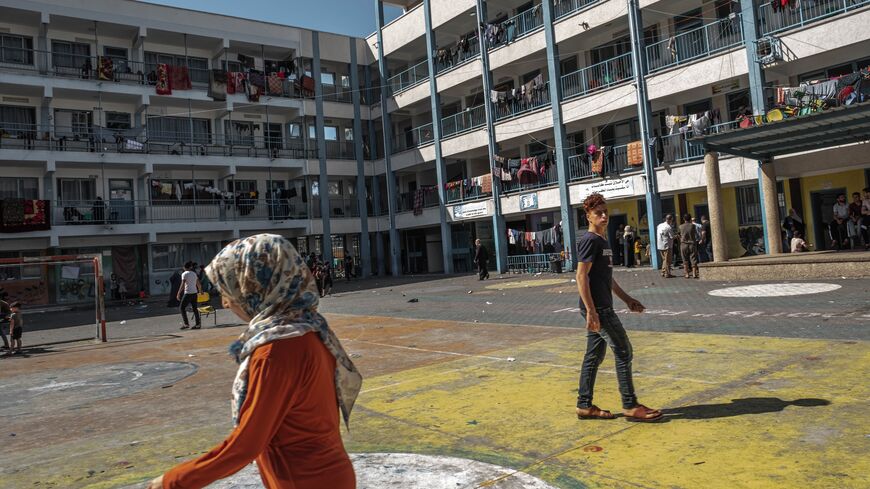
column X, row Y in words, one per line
column 217, row 85
column 276, row 85
column 598, row 161
column 163, row 87
column 105, row 70
column 231, row 82
column 486, row 183
column 179, row 78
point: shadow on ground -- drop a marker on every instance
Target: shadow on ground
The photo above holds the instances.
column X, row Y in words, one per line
column 739, row 407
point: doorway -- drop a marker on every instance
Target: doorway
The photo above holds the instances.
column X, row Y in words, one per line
column 121, row 201
column 822, row 203
column 615, row 227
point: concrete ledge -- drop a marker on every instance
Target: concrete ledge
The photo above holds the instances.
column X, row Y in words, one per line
column 796, row 266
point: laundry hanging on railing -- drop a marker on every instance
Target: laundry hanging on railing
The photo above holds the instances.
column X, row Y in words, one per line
column 546, row 241
column 692, row 124
column 217, row 85
column 162, row 84
column 105, row 69
column 528, row 92
column 506, row 31
column 527, row 170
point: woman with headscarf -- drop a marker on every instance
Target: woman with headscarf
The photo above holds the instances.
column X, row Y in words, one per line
column 293, row 376
column 628, row 244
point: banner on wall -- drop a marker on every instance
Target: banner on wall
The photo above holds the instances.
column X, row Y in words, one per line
column 472, row 210
column 528, row 201
column 622, row 187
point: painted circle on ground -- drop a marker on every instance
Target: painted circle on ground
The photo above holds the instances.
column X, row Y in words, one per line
column 58, row 390
column 774, row 290
column 410, row 471
column 528, row 283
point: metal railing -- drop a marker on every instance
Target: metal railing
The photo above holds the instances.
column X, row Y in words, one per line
column 806, row 12
column 87, row 67
column 457, row 58
column 116, row 212
column 335, row 93
column 615, row 162
column 466, row 120
column 96, row 139
column 679, row 149
column 549, row 177
column 567, row 7
column 535, row 263
column 406, row 201
column 339, row 207
column 599, row 76
column 527, row 103
column 457, row 191
column 519, row 25
column 408, row 78
column 698, row 43
column 341, row 150
column 414, row 138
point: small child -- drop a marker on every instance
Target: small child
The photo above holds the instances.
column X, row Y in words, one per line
column 637, row 252
column 16, row 326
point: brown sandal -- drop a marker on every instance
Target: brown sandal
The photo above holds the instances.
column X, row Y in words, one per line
column 594, row 412
column 648, row 415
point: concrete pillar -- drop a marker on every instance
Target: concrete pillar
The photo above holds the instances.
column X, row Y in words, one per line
column 323, row 177
column 714, row 202
column 42, row 57
column 365, row 255
column 770, row 202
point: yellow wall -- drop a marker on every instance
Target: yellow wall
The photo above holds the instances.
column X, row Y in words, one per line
column 626, row 208
column 852, row 181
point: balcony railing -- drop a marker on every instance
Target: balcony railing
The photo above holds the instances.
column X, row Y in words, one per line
column 599, row 76
column 567, row 7
column 408, row 78
column 615, row 162
column 93, row 139
column 341, row 150
column 414, row 138
column 526, row 103
column 807, row 12
column 547, row 178
column 692, row 45
column 335, row 93
column 456, row 58
column 339, row 207
column 87, row 67
column 679, row 149
column 466, row 120
column 116, row 212
column 517, row 26
column 407, row 200
column 463, row 190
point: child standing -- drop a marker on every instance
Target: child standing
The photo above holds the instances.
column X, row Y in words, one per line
column 16, row 326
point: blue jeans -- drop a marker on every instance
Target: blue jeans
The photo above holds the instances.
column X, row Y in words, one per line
column 611, row 333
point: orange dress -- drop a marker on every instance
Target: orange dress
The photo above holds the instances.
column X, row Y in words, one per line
column 289, row 422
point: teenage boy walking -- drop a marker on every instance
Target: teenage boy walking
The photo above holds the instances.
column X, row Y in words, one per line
column 596, row 285
column 190, row 287
column 16, row 326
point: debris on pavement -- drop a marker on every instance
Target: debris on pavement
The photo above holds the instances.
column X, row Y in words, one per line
column 414, row 300
column 511, row 359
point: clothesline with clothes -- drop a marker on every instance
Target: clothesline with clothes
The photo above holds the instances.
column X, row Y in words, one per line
column 526, row 170
column 505, row 31
column 546, row 241
column 449, row 56
column 174, row 188
column 527, row 92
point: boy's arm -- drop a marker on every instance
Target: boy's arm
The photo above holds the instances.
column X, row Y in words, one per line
column 633, row 304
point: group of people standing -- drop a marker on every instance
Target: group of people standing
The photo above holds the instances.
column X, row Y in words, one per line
column 693, row 240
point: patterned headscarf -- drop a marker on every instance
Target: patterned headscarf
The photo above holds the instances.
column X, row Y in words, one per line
column 267, row 278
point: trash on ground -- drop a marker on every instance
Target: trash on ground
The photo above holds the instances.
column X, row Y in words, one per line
column 414, row 300
column 511, row 359
column 488, row 303
column 123, row 322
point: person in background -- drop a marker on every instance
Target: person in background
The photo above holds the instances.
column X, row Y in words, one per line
column 628, row 246
column 838, row 225
column 596, row 286
column 865, row 217
column 5, row 310
column 348, row 266
column 855, row 205
column 665, row 243
column 689, row 247
column 638, row 251
column 481, row 259
column 706, row 240
column 854, row 231
column 190, row 287
column 326, row 278
column 99, row 211
column 790, row 224
column 174, row 284
column 16, row 327
column 798, row 245
column 114, row 286
column 293, row 378
column 309, row 260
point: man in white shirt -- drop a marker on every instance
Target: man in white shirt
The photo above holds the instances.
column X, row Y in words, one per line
column 665, row 243
column 839, row 237
column 190, row 287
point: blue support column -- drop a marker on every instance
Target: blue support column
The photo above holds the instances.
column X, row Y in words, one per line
column 323, row 179
column 554, row 72
column 498, row 225
column 385, row 118
column 638, row 61
column 376, row 186
column 440, row 166
column 756, row 94
column 364, row 248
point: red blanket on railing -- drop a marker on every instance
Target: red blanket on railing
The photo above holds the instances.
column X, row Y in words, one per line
column 23, row 215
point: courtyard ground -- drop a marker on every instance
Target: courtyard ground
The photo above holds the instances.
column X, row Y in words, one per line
column 477, row 381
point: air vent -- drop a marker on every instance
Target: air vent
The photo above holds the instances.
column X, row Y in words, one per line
column 17, row 100
column 251, row 116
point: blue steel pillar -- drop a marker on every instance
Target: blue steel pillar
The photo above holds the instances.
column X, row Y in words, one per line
column 376, row 186
column 638, row 61
column 766, row 171
column 323, row 178
column 498, row 225
column 364, row 248
column 440, row 166
column 388, row 166
column 554, row 72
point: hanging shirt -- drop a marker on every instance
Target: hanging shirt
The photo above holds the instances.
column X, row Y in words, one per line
column 665, row 235
column 594, row 249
